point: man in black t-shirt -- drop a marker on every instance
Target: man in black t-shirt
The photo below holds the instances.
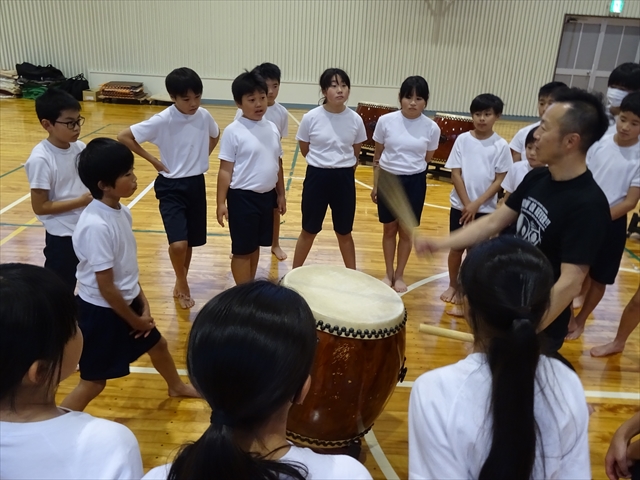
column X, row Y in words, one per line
column 560, row 209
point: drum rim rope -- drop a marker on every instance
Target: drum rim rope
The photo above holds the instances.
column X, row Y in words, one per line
column 363, row 335
column 327, row 443
column 377, row 105
column 454, row 117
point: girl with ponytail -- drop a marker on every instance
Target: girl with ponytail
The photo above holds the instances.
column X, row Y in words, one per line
column 250, row 352
column 505, row 411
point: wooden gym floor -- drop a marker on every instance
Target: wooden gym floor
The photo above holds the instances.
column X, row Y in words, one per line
column 161, row 423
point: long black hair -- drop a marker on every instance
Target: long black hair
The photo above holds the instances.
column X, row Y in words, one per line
column 37, row 318
column 250, row 352
column 507, row 283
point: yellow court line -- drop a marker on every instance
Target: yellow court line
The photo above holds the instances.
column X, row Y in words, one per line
column 17, row 231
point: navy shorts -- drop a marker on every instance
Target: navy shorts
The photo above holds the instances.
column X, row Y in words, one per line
column 454, row 219
column 250, row 220
column 109, row 347
column 605, row 269
column 415, row 188
column 329, row 187
column 60, row 258
column 183, row 207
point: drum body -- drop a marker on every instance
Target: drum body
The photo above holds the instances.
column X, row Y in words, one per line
column 370, row 113
column 451, row 127
column 360, row 354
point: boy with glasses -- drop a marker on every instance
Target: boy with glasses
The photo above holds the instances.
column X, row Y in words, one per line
column 57, row 194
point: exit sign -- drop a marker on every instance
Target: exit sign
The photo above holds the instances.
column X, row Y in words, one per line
column 616, row 6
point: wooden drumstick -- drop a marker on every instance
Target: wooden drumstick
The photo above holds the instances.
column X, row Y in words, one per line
column 395, row 198
column 445, row 332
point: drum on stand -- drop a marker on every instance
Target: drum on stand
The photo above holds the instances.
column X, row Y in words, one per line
column 360, row 355
column 451, row 127
column 370, row 113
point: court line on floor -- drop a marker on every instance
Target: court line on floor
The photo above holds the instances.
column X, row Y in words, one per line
column 379, row 456
column 633, row 255
column 18, row 230
column 425, row 204
column 294, row 118
column 133, row 202
column 17, row 202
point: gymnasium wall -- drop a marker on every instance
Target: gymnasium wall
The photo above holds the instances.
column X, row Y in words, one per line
column 462, row 47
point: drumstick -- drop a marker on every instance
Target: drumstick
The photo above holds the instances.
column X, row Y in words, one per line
column 445, row 332
column 395, row 198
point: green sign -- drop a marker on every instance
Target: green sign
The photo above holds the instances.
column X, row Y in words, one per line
column 616, row 6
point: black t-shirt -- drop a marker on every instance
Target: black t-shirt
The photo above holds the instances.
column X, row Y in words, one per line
column 566, row 220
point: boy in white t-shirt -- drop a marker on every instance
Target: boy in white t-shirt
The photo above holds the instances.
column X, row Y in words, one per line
column 545, row 98
column 623, row 80
column 185, row 134
column 479, row 161
column 614, row 162
column 277, row 114
column 518, row 170
column 57, row 194
column 250, row 179
column 114, row 314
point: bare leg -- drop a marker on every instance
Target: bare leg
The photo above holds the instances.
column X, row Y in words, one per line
column 579, row 300
column 241, row 267
column 404, row 250
column 389, row 233
column 347, row 249
column 591, row 300
column 454, row 261
column 84, row 392
column 254, row 259
column 180, row 256
column 303, row 247
column 629, row 321
column 163, row 362
column 275, row 241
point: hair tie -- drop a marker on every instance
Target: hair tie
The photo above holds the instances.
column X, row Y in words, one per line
column 219, row 418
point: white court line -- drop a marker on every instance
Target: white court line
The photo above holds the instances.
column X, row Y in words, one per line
column 11, row 205
column 630, row 270
column 140, row 195
column 294, row 118
column 426, row 204
column 380, row 457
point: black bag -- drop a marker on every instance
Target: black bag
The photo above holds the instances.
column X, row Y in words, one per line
column 75, row 86
column 29, row 71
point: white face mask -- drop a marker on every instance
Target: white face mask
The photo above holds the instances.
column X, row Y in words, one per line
column 615, row 96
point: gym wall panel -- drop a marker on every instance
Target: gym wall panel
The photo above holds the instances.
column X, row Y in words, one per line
column 462, row 47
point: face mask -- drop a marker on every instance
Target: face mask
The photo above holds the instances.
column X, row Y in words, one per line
column 615, row 96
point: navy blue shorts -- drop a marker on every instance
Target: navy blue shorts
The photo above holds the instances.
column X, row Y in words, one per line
column 329, row 187
column 60, row 258
column 250, row 220
column 183, row 207
column 109, row 347
column 415, row 188
column 605, row 269
column 454, row 219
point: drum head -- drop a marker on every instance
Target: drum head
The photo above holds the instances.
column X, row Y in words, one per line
column 347, row 302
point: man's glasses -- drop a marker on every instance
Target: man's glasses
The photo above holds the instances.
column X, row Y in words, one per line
column 73, row 123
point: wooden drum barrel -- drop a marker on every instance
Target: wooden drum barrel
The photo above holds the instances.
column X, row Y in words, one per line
column 451, row 126
column 360, row 355
column 370, row 113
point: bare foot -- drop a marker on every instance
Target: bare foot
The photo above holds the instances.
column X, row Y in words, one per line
column 590, row 409
column 578, row 302
column 278, row 253
column 608, row 349
column 185, row 301
column 448, row 295
column 231, row 256
column 455, row 311
column 399, row 285
column 184, row 390
column 575, row 334
column 387, row 281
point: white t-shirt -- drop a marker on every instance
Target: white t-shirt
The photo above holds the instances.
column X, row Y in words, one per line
column 320, row 467
column 479, row 161
column 277, row 114
column 331, row 137
column 406, row 142
column 72, row 446
column 183, row 140
column 514, row 176
column 54, row 169
column 254, row 149
column 450, row 426
column 517, row 142
column 103, row 239
column 615, row 169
